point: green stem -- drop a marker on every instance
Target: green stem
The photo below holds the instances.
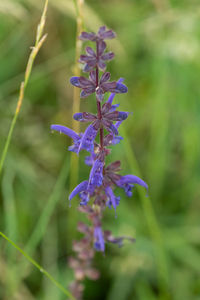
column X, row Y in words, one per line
column 41, row 269
column 38, row 43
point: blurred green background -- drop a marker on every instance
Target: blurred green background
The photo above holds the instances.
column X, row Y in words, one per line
column 158, row 53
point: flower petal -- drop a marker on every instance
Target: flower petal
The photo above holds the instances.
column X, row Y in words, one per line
column 134, row 180
column 105, row 77
column 90, row 51
column 96, row 173
column 111, row 97
column 108, row 56
column 87, row 140
column 121, row 88
column 78, row 189
column 60, row 128
column 99, row 243
column 101, row 48
column 75, row 81
column 87, row 36
column 113, row 200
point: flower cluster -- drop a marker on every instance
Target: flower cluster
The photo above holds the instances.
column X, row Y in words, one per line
column 97, row 192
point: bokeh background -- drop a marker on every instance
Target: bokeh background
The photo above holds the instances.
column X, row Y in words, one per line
column 158, row 53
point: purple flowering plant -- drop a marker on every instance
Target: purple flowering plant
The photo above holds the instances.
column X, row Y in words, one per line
column 97, row 193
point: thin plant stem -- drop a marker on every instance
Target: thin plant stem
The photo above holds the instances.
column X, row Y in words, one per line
column 41, row 269
column 40, row 38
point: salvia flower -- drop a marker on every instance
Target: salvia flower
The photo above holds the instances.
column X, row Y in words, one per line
column 92, row 60
column 89, row 86
column 101, row 35
column 99, row 243
column 96, row 193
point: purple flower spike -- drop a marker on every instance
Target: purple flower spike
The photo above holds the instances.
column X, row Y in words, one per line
column 127, row 183
column 87, row 140
column 96, row 173
column 99, row 243
column 113, row 200
column 97, row 192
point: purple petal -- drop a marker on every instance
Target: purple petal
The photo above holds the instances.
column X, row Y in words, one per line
column 134, row 180
column 105, row 77
column 93, row 77
column 109, row 86
column 99, row 243
column 86, row 92
column 84, row 117
column 111, row 97
column 117, row 124
column 96, row 173
column 113, row 200
column 102, row 29
column 113, row 129
column 113, row 107
column 90, row 51
column 116, row 116
column 101, row 65
column 116, row 140
column 108, row 35
column 79, row 188
column 85, row 83
column 108, row 56
column 122, row 116
column 78, row 117
column 121, row 88
column 60, row 128
column 89, row 160
column 87, row 140
column 75, row 81
column 84, row 58
column 88, row 68
column 87, row 36
column 99, row 94
column 101, row 48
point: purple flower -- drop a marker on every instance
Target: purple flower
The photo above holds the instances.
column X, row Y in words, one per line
column 84, row 190
column 80, row 188
column 102, row 34
column 96, row 174
column 108, row 115
column 89, row 160
column 113, row 201
column 127, row 183
column 87, row 140
column 88, row 86
column 72, row 134
column 83, row 141
column 112, row 95
column 91, row 60
column 63, row 129
column 99, row 243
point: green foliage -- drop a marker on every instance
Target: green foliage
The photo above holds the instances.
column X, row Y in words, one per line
column 158, row 55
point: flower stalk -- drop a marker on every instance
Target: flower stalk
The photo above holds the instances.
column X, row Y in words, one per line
column 97, row 193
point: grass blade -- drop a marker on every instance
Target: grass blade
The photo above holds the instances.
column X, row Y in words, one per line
column 35, row 264
column 38, row 43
